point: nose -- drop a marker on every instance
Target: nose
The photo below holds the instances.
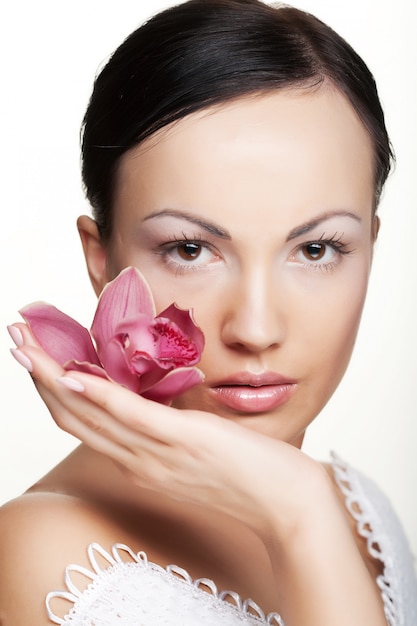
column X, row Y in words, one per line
column 253, row 314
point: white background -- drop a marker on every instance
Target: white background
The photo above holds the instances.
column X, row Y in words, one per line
column 50, row 52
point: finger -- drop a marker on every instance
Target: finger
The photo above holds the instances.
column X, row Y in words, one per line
column 168, row 434
column 114, row 399
column 132, row 410
column 106, row 410
column 117, row 423
column 22, row 335
column 69, row 409
column 147, row 461
column 90, row 429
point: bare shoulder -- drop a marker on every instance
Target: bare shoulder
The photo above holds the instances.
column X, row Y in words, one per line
column 40, row 534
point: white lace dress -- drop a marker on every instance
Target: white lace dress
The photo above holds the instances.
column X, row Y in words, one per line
column 131, row 591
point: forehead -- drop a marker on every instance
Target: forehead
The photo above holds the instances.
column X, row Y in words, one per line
column 292, row 147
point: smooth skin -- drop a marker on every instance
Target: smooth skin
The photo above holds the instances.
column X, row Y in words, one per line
column 258, row 214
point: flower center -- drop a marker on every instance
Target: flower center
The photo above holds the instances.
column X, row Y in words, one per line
column 173, row 345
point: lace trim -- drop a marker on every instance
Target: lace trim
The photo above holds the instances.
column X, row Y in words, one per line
column 230, row 599
column 360, row 508
column 357, row 503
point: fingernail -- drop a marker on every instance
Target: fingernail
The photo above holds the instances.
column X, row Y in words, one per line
column 16, row 335
column 71, row 383
column 22, row 359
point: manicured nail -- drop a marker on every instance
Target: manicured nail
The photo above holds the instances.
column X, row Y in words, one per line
column 16, row 335
column 22, row 359
column 71, row 383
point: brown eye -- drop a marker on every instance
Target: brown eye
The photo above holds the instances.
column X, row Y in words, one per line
column 314, row 251
column 188, row 251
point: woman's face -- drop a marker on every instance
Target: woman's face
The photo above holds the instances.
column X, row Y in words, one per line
column 258, row 216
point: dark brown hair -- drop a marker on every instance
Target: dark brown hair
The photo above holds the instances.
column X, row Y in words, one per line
column 205, row 52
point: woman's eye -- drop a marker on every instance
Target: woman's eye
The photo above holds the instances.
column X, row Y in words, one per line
column 189, row 251
column 184, row 255
column 321, row 254
column 314, row 251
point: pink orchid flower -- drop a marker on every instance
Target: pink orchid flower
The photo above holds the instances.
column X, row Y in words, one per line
column 152, row 356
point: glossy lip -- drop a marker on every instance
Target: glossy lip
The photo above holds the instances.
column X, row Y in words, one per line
column 245, row 392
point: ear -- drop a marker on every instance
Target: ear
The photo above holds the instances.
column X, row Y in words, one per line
column 94, row 251
column 376, row 224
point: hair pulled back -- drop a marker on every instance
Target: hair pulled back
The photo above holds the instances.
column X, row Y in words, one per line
column 204, row 52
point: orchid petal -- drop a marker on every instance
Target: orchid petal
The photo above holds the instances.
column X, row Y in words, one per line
column 150, row 378
column 174, row 348
column 123, row 298
column 137, row 371
column 118, row 367
column 134, row 348
column 136, row 337
column 184, row 319
column 87, row 368
column 174, row 384
column 90, row 368
column 60, row 336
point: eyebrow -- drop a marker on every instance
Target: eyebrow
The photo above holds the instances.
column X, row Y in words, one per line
column 298, row 231
column 208, row 226
column 216, row 230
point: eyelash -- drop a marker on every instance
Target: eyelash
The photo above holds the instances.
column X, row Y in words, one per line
column 174, row 244
column 334, row 242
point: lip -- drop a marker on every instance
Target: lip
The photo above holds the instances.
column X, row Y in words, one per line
column 245, row 392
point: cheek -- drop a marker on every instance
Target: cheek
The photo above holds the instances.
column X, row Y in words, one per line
column 197, row 293
column 332, row 326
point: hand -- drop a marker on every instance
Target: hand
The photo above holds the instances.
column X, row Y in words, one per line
column 192, row 455
column 274, row 488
